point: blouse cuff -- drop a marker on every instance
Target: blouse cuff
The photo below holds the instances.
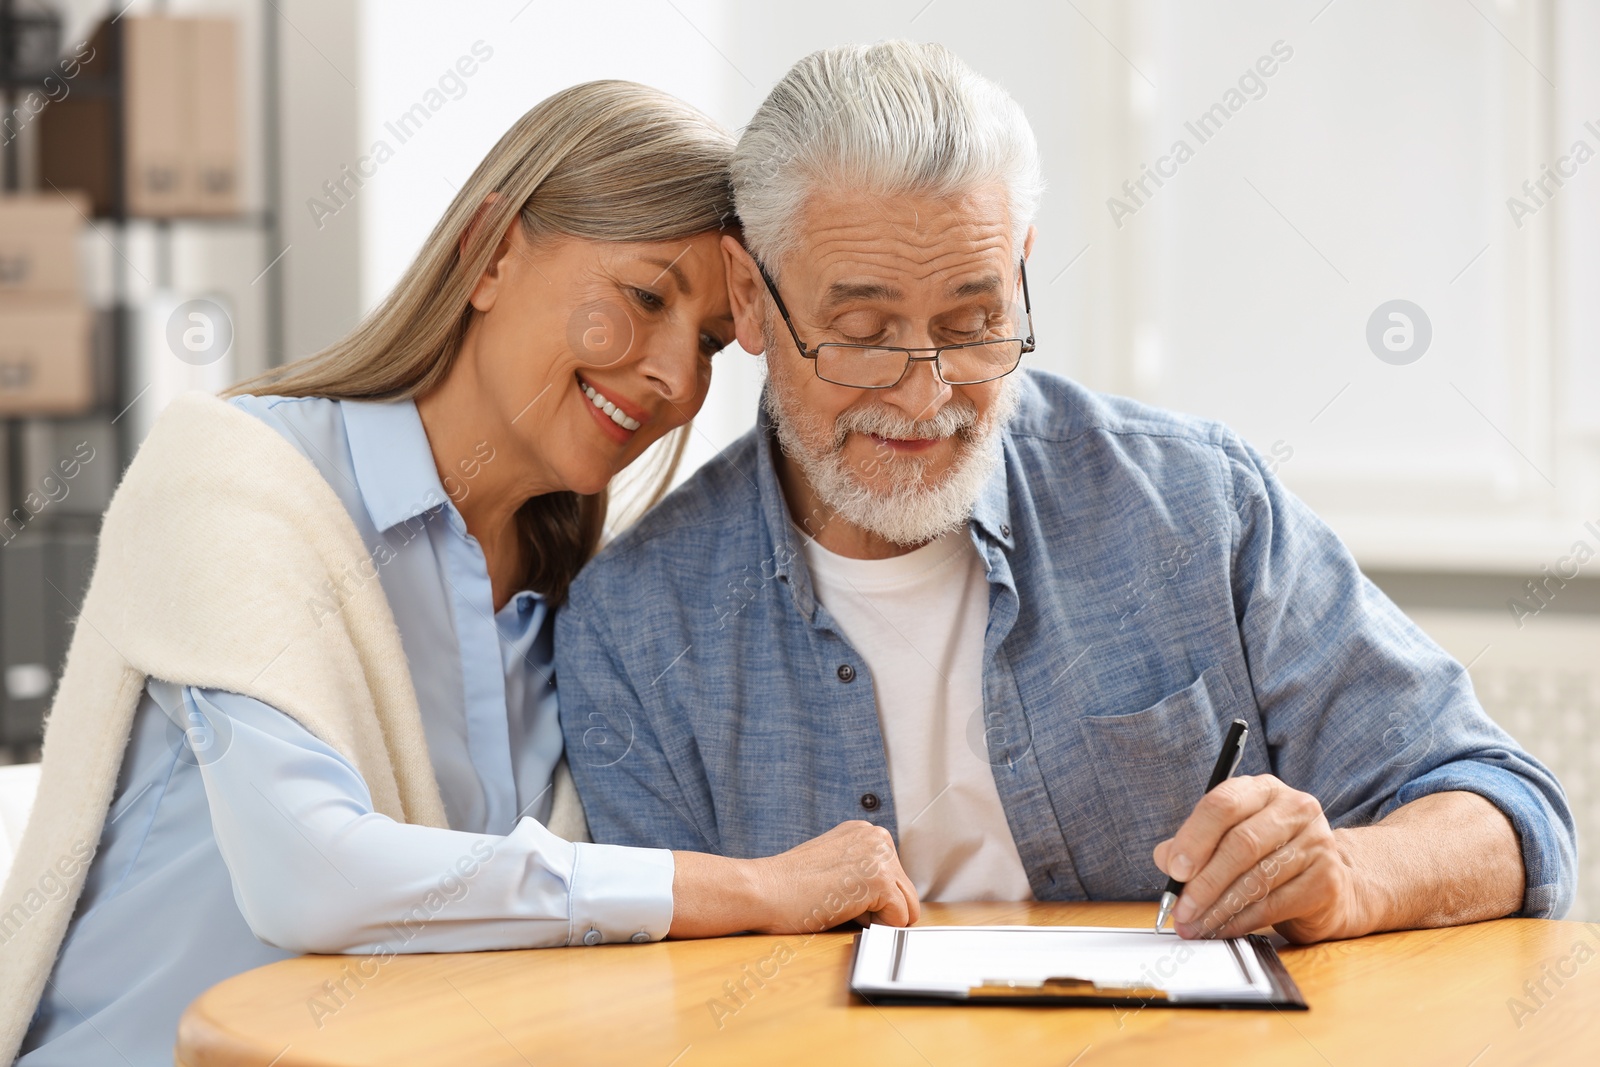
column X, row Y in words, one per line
column 620, row 894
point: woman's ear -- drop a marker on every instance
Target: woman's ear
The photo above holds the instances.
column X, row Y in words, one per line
column 488, row 284
column 745, row 294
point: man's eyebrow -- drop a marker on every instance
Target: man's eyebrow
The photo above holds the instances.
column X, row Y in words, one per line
column 671, row 267
column 987, row 285
column 844, row 292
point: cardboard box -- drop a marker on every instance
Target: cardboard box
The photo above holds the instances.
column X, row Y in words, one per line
column 39, row 244
column 46, row 347
column 158, row 112
column 180, row 114
column 214, row 88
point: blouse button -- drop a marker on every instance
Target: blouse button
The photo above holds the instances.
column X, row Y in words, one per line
column 593, row 937
column 869, row 801
column 847, row 673
column 639, row 938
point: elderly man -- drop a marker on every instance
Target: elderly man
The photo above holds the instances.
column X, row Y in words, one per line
column 1001, row 616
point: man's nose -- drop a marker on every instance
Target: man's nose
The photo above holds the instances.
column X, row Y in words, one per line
column 920, row 392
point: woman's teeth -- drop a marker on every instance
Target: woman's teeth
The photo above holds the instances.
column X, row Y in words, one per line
column 610, row 409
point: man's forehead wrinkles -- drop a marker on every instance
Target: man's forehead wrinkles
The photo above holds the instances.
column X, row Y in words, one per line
column 853, row 259
column 892, row 255
column 965, row 232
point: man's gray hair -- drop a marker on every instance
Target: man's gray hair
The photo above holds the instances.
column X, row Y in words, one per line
column 891, row 118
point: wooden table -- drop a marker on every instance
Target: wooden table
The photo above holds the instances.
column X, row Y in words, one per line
column 1424, row 997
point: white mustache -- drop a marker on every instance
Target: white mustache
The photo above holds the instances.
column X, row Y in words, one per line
column 957, row 417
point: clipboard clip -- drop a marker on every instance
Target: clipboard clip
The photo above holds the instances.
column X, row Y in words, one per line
column 1065, row 987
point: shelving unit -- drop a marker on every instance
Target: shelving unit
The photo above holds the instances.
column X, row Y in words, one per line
column 44, row 569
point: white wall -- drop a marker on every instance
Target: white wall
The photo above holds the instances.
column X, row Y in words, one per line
column 1376, row 167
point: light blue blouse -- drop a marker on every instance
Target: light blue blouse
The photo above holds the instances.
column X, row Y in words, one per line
column 236, row 838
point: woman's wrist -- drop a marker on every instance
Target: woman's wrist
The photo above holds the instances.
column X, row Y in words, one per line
column 715, row 895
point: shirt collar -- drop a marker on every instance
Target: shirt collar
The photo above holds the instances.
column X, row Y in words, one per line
column 991, row 514
column 392, row 459
column 774, row 509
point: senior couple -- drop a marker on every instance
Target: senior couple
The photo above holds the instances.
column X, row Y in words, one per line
column 940, row 627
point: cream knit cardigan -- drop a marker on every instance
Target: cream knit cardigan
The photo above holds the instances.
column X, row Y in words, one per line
column 215, row 549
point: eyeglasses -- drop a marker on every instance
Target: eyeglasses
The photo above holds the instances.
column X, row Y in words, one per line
column 883, row 366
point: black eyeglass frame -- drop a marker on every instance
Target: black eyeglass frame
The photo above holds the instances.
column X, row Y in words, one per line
column 938, row 369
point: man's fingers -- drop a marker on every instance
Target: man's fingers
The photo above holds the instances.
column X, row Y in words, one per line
column 1245, row 900
column 1241, row 848
column 1218, row 812
column 1299, row 895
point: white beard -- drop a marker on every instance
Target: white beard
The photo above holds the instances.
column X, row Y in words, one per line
column 908, row 511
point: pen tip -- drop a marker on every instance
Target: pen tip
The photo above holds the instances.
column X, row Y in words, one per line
column 1167, row 901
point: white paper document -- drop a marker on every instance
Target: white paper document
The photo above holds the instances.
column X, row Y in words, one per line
column 953, row 961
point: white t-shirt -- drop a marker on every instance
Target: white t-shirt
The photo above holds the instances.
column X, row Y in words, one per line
column 919, row 620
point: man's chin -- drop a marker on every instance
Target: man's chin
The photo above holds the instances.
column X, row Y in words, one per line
column 910, row 485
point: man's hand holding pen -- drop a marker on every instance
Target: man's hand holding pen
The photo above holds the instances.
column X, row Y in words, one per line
column 1255, row 852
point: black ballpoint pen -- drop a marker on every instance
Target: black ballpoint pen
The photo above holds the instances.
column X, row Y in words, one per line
column 1227, row 762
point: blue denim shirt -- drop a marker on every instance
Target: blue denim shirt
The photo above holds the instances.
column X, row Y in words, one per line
column 1150, row 580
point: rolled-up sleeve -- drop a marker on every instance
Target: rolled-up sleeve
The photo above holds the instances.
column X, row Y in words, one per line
column 316, row 869
column 1361, row 708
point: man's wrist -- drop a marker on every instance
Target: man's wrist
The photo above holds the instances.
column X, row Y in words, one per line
column 1371, row 900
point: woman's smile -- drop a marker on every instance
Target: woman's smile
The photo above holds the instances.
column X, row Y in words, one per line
column 617, row 418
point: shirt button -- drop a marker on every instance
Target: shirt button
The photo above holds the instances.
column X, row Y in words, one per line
column 869, row 801
column 639, row 938
column 847, row 673
column 1005, row 531
column 593, row 937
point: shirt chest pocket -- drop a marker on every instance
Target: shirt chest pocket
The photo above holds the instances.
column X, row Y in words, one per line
column 1151, row 767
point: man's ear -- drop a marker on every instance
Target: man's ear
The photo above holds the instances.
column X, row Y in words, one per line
column 1027, row 253
column 746, row 294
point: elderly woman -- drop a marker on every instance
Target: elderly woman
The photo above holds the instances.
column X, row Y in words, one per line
column 309, row 705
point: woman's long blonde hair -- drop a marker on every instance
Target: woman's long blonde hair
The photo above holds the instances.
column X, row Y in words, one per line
column 605, row 161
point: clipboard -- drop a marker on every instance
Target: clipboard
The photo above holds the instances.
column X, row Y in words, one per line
column 1068, row 966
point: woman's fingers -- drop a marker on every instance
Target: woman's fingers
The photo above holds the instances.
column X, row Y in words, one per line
column 912, row 899
column 894, row 898
column 897, row 910
column 850, row 872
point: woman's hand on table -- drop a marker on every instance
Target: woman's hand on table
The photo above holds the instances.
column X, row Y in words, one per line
column 850, row 872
